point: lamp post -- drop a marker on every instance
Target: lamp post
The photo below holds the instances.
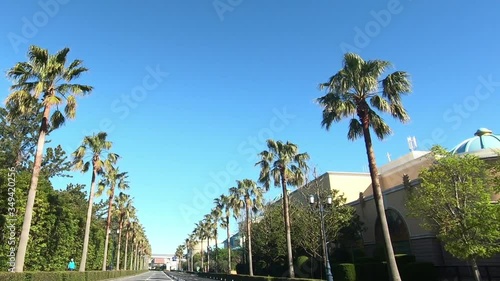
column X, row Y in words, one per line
column 321, row 208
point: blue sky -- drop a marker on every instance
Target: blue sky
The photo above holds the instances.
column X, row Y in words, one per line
column 189, row 90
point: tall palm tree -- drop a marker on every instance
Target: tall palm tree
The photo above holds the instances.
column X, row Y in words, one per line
column 114, row 179
column 129, row 226
column 43, row 82
column 96, row 147
column 285, row 166
column 251, row 197
column 354, row 92
column 223, row 202
column 123, row 204
column 179, row 253
column 208, row 228
column 200, row 233
column 191, row 242
column 216, row 214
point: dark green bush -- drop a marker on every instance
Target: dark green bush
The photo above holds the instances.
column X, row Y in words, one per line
column 242, row 268
column 371, row 271
column 344, row 272
column 402, row 260
column 418, row 271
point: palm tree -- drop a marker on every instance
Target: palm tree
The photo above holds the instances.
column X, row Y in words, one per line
column 130, row 219
column 222, row 202
column 43, row 82
column 208, row 228
column 200, row 233
column 190, row 243
column 353, row 92
column 97, row 148
column 216, row 214
column 251, row 197
column 284, row 165
column 112, row 179
column 123, row 204
column 179, row 253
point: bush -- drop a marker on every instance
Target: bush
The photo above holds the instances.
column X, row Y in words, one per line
column 65, row 275
column 242, row 268
column 11, row 276
column 302, row 269
column 417, row 271
column 402, row 260
column 372, row 271
column 342, row 255
column 344, row 272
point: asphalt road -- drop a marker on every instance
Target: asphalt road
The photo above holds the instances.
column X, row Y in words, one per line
column 150, row 275
column 158, row 275
column 182, row 276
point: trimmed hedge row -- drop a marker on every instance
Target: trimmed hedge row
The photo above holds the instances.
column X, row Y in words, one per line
column 66, row 275
column 410, row 271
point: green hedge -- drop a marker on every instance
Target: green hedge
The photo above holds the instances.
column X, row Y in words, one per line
column 66, row 276
column 344, row 272
column 418, row 271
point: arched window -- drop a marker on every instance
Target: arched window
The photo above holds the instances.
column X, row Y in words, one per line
column 398, row 230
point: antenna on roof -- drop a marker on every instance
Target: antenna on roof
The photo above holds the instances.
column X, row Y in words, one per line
column 412, row 143
column 389, row 156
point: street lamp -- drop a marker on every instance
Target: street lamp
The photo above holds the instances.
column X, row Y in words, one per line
column 321, row 208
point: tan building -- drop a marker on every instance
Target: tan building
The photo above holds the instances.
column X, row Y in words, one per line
column 407, row 235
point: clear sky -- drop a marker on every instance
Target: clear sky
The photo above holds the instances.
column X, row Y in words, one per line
column 189, row 90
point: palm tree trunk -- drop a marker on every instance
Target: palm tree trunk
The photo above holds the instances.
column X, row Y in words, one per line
column 208, row 254
column 28, row 214
column 132, row 256
column 250, row 265
column 108, row 227
column 201, row 253
column 192, row 260
column 228, row 247
column 119, row 246
column 377, row 195
column 216, row 251
column 286, row 216
column 126, row 251
column 89, row 220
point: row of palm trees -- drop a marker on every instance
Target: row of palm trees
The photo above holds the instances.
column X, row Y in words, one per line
column 356, row 92
column 281, row 165
column 102, row 162
column 46, row 83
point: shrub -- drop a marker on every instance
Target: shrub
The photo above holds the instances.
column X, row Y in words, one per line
column 242, row 268
column 344, row 272
column 302, row 269
column 12, row 276
column 417, row 271
column 402, row 260
column 371, row 271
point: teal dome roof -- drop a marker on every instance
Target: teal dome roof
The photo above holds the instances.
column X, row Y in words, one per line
column 483, row 139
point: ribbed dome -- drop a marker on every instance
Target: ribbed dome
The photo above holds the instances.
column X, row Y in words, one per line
column 483, row 139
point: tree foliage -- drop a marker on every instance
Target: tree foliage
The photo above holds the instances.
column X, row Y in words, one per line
column 454, row 200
